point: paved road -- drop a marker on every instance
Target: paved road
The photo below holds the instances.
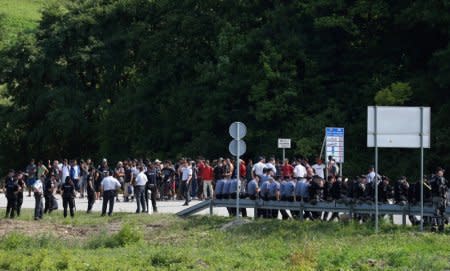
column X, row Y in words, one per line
column 170, row 207
column 130, row 207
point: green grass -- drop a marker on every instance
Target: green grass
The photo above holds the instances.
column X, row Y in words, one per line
column 166, row 242
column 19, row 16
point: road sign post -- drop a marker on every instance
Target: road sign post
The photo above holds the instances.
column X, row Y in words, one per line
column 237, row 147
column 284, row 143
column 334, row 146
column 398, row 127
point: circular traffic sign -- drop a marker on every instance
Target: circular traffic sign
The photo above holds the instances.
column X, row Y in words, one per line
column 237, row 130
column 233, row 147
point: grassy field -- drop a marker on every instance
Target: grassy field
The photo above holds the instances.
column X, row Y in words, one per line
column 166, row 242
column 18, row 16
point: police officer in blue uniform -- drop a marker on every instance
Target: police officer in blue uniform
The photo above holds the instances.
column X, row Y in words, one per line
column 274, row 195
column 12, row 189
column 252, row 188
column 68, row 196
column 287, row 189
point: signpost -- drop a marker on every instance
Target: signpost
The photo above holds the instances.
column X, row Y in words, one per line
column 334, row 146
column 284, row 143
column 398, row 127
column 237, row 147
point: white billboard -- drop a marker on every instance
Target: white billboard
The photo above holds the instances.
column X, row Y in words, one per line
column 398, row 126
column 284, row 143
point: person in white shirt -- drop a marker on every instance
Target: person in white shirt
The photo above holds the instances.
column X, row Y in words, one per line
column 38, row 189
column 65, row 171
column 319, row 168
column 109, row 185
column 139, row 190
column 371, row 175
column 186, row 177
column 271, row 165
column 258, row 168
column 299, row 170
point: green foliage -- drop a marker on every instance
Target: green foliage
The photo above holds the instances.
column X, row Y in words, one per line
column 165, row 78
column 127, row 235
column 396, row 94
column 199, row 243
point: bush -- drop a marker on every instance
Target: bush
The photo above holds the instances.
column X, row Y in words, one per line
column 127, row 235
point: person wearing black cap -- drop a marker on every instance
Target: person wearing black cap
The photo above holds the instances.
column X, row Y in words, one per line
column 11, row 195
column 439, row 189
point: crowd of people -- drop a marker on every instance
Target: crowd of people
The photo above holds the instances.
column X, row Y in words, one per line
column 144, row 180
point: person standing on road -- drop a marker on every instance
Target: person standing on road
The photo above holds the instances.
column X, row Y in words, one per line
column 38, row 189
column 109, row 186
column 68, row 196
column 22, row 186
column 439, row 190
column 90, row 189
column 207, row 177
column 31, row 175
column 49, row 188
column 139, row 190
column 11, row 195
column 153, row 171
column 186, row 177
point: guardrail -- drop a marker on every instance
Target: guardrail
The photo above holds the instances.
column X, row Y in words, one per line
column 324, row 206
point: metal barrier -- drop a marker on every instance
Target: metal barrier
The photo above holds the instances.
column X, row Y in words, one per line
column 324, row 206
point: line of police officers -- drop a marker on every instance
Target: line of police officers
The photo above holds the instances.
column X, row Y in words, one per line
column 358, row 190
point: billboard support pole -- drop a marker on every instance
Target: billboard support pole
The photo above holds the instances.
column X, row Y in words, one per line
column 421, row 168
column 376, row 170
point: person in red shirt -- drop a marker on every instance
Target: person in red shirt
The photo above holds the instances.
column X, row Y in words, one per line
column 207, row 175
column 287, row 169
column 242, row 169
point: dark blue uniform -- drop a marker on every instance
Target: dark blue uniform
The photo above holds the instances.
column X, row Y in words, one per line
column 68, row 197
column 12, row 189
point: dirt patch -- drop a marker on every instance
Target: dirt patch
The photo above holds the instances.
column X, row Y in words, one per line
column 33, row 228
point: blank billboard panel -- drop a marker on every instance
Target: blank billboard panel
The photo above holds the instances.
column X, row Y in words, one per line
column 398, row 127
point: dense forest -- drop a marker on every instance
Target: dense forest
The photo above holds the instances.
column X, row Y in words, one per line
column 162, row 78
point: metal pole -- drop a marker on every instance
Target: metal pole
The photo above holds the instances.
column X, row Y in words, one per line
column 341, row 169
column 421, row 168
column 376, row 170
column 284, row 154
column 237, row 173
column 323, row 144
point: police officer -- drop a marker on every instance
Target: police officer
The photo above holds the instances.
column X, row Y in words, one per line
column 49, row 187
column 11, row 194
column 233, row 195
column 153, row 172
column 226, row 194
column 68, row 196
column 302, row 195
column 274, row 195
column 22, row 186
column 90, row 189
column 252, row 188
column 38, row 189
column 109, row 186
column 264, row 195
column 439, row 189
column 219, row 188
column 287, row 189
